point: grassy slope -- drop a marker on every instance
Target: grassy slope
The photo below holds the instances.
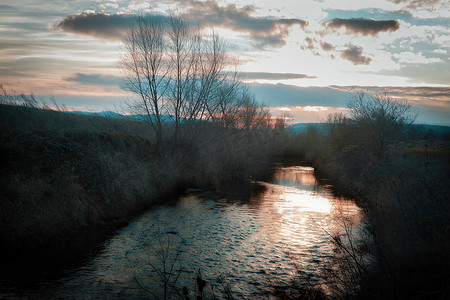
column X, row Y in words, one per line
column 64, row 172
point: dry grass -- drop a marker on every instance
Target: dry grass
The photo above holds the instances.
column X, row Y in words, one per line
column 62, row 172
column 405, row 194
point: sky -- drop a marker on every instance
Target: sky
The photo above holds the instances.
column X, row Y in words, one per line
column 301, row 57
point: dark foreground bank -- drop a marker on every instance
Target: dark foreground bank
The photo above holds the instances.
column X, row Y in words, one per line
column 399, row 174
column 64, row 173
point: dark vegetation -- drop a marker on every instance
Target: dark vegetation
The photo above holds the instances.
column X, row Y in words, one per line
column 64, row 172
column 399, row 173
column 199, row 126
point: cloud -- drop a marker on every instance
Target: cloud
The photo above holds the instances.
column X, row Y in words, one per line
column 314, row 108
column 263, row 31
column 434, row 73
column 431, row 103
column 99, row 25
column 304, row 104
column 274, row 76
column 311, row 45
column 96, row 79
column 37, row 67
column 407, row 57
column 417, row 3
column 278, row 95
column 284, row 109
column 426, row 9
column 364, row 26
column 7, row 7
column 306, row 114
column 326, row 46
column 423, row 93
column 312, row 104
column 354, row 55
column 419, row 93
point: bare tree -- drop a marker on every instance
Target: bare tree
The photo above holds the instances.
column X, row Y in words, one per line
column 252, row 114
column 230, row 101
column 182, row 39
column 146, row 69
column 379, row 119
column 176, row 69
column 207, row 75
column 339, row 131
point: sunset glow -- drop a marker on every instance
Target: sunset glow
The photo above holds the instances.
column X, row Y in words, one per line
column 315, row 108
column 309, row 54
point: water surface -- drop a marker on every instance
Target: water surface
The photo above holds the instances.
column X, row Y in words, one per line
column 253, row 242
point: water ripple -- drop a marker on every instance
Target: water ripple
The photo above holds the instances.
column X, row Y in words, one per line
column 268, row 236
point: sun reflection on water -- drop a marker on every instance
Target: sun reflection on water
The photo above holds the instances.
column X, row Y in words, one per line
column 296, row 201
column 302, row 215
column 273, row 234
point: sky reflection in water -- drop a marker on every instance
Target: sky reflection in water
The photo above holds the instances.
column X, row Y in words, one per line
column 247, row 242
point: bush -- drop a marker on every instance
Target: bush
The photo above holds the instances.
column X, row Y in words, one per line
column 402, row 184
column 62, row 172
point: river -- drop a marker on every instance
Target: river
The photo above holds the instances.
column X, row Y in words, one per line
column 253, row 241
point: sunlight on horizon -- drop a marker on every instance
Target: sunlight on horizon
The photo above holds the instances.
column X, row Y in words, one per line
column 72, row 51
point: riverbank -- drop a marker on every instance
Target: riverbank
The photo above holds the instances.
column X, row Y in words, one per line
column 67, row 174
column 404, row 192
column 63, row 173
column 253, row 240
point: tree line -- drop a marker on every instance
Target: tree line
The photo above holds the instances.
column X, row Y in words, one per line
column 179, row 71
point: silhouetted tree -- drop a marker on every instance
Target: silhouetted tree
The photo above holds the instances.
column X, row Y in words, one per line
column 177, row 70
column 339, row 129
column 229, row 101
column 146, row 70
column 379, row 119
column 252, row 114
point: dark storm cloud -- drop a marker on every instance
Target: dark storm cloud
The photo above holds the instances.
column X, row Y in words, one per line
column 264, row 32
column 364, row 26
column 96, row 79
column 354, row 54
column 274, row 76
column 99, row 25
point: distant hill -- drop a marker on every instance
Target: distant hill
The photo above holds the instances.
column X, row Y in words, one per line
column 417, row 129
column 439, row 130
column 303, row 126
column 105, row 114
column 114, row 115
